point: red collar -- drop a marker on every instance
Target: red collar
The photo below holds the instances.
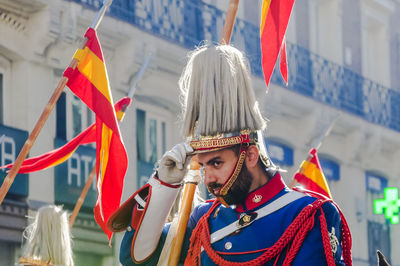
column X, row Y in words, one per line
column 262, row 194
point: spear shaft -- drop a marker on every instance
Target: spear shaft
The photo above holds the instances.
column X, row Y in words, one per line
column 190, row 187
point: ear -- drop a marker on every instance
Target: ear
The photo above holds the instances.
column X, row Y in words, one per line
column 252, row 156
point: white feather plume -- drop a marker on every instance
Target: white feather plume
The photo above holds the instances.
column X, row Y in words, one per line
column 217, row 94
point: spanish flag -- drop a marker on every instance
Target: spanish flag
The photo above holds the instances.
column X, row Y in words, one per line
column 57, row 156
column 89, row 82
column 274, row 20
column 61, row 154
column 310, row 175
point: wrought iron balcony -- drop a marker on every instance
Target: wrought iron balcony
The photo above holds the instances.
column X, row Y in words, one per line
column 188, row 22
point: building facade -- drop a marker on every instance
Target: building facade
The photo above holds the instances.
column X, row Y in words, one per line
column 344, row 65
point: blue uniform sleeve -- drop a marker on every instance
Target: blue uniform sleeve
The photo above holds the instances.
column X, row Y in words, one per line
column 125, row 248
column 126, row 244
column 312, row 251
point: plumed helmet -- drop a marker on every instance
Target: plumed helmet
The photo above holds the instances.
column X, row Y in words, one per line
column 219, row 107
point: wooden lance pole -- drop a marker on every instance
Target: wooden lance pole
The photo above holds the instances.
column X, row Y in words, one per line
column 9, row 179
column 184, row 214
column 81, row 198
column 229, row 22
column 190, row 188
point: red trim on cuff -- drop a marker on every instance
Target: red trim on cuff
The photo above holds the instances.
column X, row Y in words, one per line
column 139, row 223
column 164, row 183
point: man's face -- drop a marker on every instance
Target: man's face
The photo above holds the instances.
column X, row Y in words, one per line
column 218, row 167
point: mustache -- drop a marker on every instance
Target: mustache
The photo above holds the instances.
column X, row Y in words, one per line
column 214, row 185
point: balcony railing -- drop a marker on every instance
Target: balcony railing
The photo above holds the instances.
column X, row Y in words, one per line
column 188, row 22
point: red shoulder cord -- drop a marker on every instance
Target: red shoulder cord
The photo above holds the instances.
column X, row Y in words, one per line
column 292, row 238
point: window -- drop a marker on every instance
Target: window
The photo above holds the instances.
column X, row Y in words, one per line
column 78, row 115
column 378, row 239
column 330, row 168
column 375, row 185
column 72, row 116
column 326, row 29
column 378, row 229
column 5, row 73
column 151, row 143
column 150, row 136
column 281, row 154
column 140, row 135
column 61, row 122
column 375, row 42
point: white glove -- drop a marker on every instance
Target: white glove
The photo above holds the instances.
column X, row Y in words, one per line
column 173, row 165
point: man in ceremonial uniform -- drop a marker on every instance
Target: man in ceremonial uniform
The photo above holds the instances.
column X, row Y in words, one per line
column 255, row 219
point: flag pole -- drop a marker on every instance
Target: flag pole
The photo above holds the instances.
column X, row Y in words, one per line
column 229, row 22
column 9, row 179
column 89, row 181
column 326, row 132
column 100, row 14
column 81, row 198
column 139, row 76
column 190, row 187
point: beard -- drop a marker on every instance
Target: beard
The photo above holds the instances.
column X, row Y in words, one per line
column 238, row 191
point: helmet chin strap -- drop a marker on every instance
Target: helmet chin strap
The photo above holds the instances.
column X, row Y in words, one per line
column 234, row 175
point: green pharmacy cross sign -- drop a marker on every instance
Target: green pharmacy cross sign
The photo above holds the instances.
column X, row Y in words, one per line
column 391, row 204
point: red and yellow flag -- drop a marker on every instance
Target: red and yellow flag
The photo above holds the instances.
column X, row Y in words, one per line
column 61, row 154
column 274, row 20
column 310, row 175
column 57, row 156
column 89, row 82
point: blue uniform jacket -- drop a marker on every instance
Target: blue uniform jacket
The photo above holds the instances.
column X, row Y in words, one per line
column 261, row 234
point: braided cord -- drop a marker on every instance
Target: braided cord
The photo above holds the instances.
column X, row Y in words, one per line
column 346, row 239
column 193, row 256
column 201, row 238
column 325, row 240
column 298, row 239
column 291, row 238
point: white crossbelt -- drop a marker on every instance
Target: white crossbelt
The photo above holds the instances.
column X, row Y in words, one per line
column 264, row 211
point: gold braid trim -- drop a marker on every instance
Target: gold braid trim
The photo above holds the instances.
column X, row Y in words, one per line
column 215, row 143
column 235, row 174
column 32, row 261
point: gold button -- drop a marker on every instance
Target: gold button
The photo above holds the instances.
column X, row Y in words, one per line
column 246, row 218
